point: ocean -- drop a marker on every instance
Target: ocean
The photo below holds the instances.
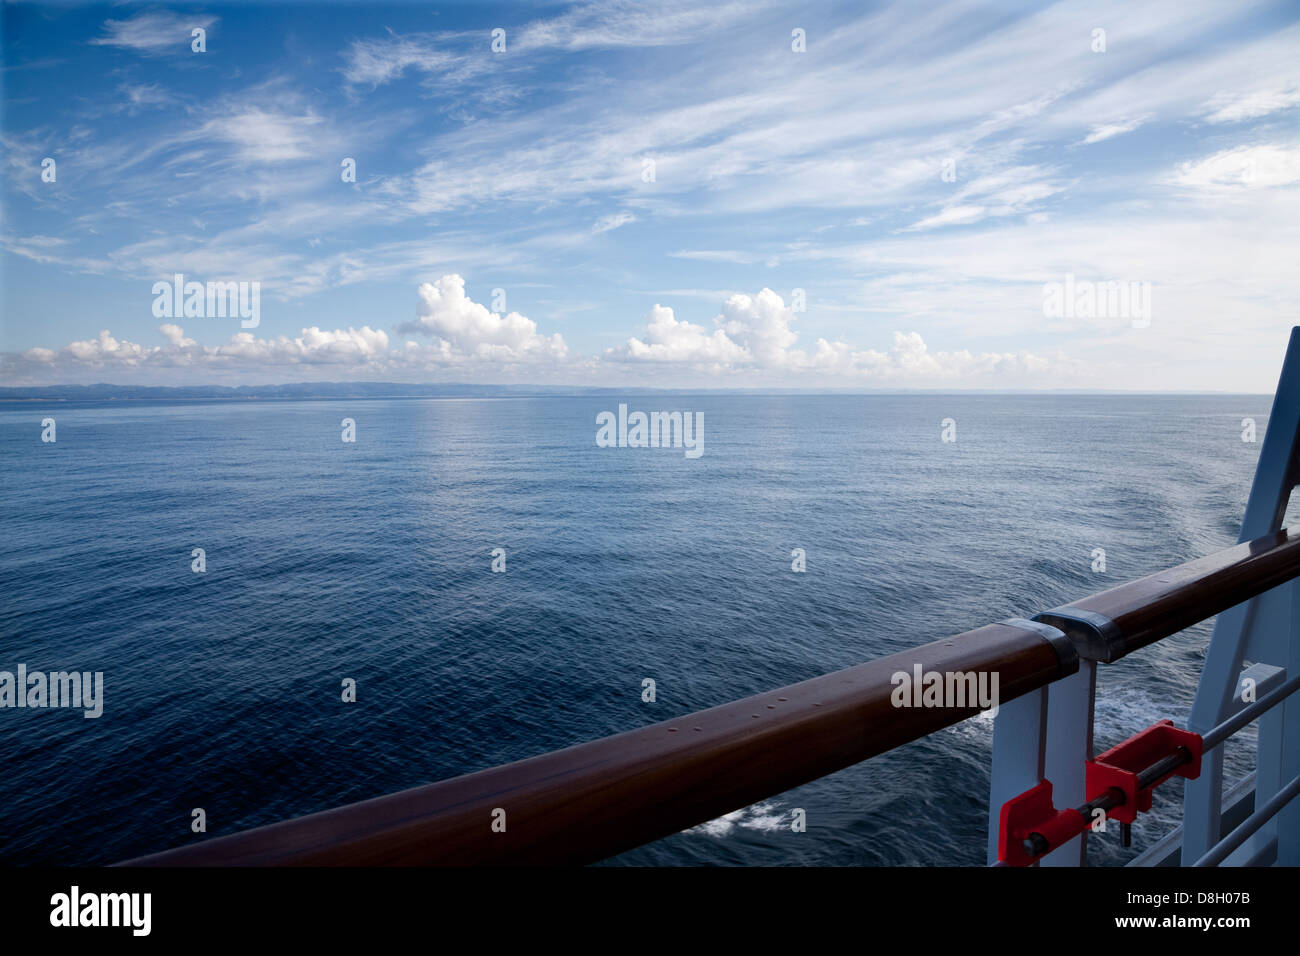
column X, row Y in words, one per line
column 371, row 561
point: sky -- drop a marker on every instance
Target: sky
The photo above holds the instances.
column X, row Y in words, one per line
column 674, row 194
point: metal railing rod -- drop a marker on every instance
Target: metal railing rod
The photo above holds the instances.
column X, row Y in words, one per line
column 1223, row 731
column 1219, row 852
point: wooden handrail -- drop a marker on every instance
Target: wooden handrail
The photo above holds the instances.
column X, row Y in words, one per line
column 597, row 799
column 1110, row 624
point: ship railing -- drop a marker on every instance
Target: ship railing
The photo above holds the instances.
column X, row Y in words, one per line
column 1256, row 678
column 595, row 800
column 1048, row 733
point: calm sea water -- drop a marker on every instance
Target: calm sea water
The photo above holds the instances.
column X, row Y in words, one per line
column 371, row 561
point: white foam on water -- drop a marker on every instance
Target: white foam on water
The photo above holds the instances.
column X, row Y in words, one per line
column 764, row 817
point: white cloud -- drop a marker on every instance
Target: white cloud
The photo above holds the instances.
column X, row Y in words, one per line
column 952, row 216
column 141, row 96
column 1229, row 108
column 1246, row 167
column 263, row 135
column 467, row 328
column 316, row 346
column 625, row 23
column 1006, row 192
column 668, row 340
column 612, row 221
column 1109, row 130
column 750, row 331
column 108, row 350
column 153, row 33
column 761, row 324
column 175, row 335
column 910, row 361
column 753, row 335
column 378, row 61
column 717, row 255
column 313, row 346
column 752, row 143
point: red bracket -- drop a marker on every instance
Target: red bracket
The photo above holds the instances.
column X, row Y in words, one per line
column 1119, row 767
column 1033, row 812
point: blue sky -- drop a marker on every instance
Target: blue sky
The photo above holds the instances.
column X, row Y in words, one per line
column 1171, row 158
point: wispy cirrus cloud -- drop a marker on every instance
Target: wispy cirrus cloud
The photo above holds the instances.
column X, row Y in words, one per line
column 742, row 163
column 1243, row 167
column 262, row 135
column 1014, row 191
column 1107, row 131
column 1236, row 107
column 450, row 57
column 611, row 24
column 613, row 221
column 143, row 96
column 154, row 33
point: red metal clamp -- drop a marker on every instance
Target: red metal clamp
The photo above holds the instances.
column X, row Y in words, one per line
column 1033, row 812
column 1120, row 765
column 1119, row 782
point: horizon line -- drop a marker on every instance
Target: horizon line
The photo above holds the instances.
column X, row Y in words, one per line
column 9, row 393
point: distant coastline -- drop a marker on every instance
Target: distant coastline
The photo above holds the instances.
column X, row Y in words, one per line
column 305, row 391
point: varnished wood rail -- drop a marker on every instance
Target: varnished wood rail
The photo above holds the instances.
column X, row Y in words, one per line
column 1110, row 624
column 597, row 799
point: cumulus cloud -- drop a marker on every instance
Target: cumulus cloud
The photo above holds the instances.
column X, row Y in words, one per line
column 312, row 347
column 175, row 335
column 108, row 350
column 461, row 326
column 761, row 324
column 750, row 331
column 41, row 356
column 464, row 333
column 315, row 346
column 668, row 340
column 754, row 334
column 910, row 360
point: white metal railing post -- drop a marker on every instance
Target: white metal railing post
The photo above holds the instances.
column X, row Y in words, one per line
column 1019, row 745
column 1045, row 734
column 1261, row 629
column 1070, row 706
